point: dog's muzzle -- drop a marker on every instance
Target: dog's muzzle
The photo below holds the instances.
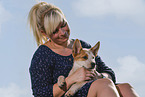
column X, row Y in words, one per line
column 92, row 65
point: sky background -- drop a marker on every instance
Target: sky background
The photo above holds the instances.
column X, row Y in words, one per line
column 118, row 24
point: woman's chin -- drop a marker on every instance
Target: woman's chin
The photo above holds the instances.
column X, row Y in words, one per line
column 62, row 41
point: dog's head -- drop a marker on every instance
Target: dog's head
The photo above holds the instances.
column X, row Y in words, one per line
column 85, row 57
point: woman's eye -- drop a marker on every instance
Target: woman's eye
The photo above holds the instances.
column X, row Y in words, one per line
column 63, row 25
column 55, row 31
column 85, row 57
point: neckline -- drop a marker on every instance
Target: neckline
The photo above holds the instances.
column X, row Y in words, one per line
column 55, row 52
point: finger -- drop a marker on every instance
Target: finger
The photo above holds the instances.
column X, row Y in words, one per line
column 87, row 72
column 94, row 73
column 91, row 72
column 87, row 78
column 88, row 69
column 90, row 75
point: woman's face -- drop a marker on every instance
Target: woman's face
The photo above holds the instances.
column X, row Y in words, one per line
column 61, row 34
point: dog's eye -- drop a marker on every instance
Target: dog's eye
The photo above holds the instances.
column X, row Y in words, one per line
column 85, row 57
column 93, row 57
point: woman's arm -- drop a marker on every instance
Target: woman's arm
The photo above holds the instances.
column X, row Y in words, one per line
column 41, row 73
column 105, row 70
column 57, row 91
column 41, row 76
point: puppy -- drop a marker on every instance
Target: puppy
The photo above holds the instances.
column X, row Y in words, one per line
column 82, row 58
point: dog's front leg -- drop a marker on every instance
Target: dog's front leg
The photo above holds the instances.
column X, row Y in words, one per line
column 74, row 88
column 61, row 81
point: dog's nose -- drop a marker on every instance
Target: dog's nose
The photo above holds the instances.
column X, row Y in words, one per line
column 93, row 64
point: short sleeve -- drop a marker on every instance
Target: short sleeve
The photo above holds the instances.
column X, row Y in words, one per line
column 41, row 74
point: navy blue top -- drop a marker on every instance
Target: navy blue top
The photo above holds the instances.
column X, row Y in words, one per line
column 47, row 66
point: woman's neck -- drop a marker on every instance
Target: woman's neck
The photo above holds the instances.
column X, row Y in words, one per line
column 63, row 50
column 54, row 45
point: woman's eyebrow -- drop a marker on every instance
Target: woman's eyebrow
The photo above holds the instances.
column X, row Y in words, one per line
column 64, row 24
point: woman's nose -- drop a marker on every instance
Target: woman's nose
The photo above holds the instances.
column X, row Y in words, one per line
column 62, row 31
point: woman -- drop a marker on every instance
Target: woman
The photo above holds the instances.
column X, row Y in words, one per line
column 54, row 58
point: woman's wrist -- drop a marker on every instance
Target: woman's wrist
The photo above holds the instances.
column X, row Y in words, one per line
column 69, row 81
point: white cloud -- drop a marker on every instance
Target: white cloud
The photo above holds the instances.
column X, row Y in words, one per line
column 130, row 69
column 131, row 9
column 14, row 90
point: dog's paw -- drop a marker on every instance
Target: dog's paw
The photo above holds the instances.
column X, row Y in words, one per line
column 69, row 94
column 61, row 81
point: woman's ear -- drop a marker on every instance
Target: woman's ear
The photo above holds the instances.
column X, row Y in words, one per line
column 43, row 33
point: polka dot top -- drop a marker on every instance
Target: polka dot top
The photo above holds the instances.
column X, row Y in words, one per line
column 46, row 66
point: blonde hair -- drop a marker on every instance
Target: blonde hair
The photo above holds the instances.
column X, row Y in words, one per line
column 44, row 17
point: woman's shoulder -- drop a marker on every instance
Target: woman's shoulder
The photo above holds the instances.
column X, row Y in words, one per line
column 42, row 51
column 42, row 54
column 84, row 43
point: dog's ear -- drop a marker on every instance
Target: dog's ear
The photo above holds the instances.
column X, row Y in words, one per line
column 76, row 48
column 96, row 48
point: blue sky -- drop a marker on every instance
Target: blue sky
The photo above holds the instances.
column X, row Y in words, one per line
column 118, row 24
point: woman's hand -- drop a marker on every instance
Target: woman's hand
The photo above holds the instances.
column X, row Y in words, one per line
column 82, row 74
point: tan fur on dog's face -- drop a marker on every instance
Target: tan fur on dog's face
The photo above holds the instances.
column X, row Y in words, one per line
column 85, row 57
